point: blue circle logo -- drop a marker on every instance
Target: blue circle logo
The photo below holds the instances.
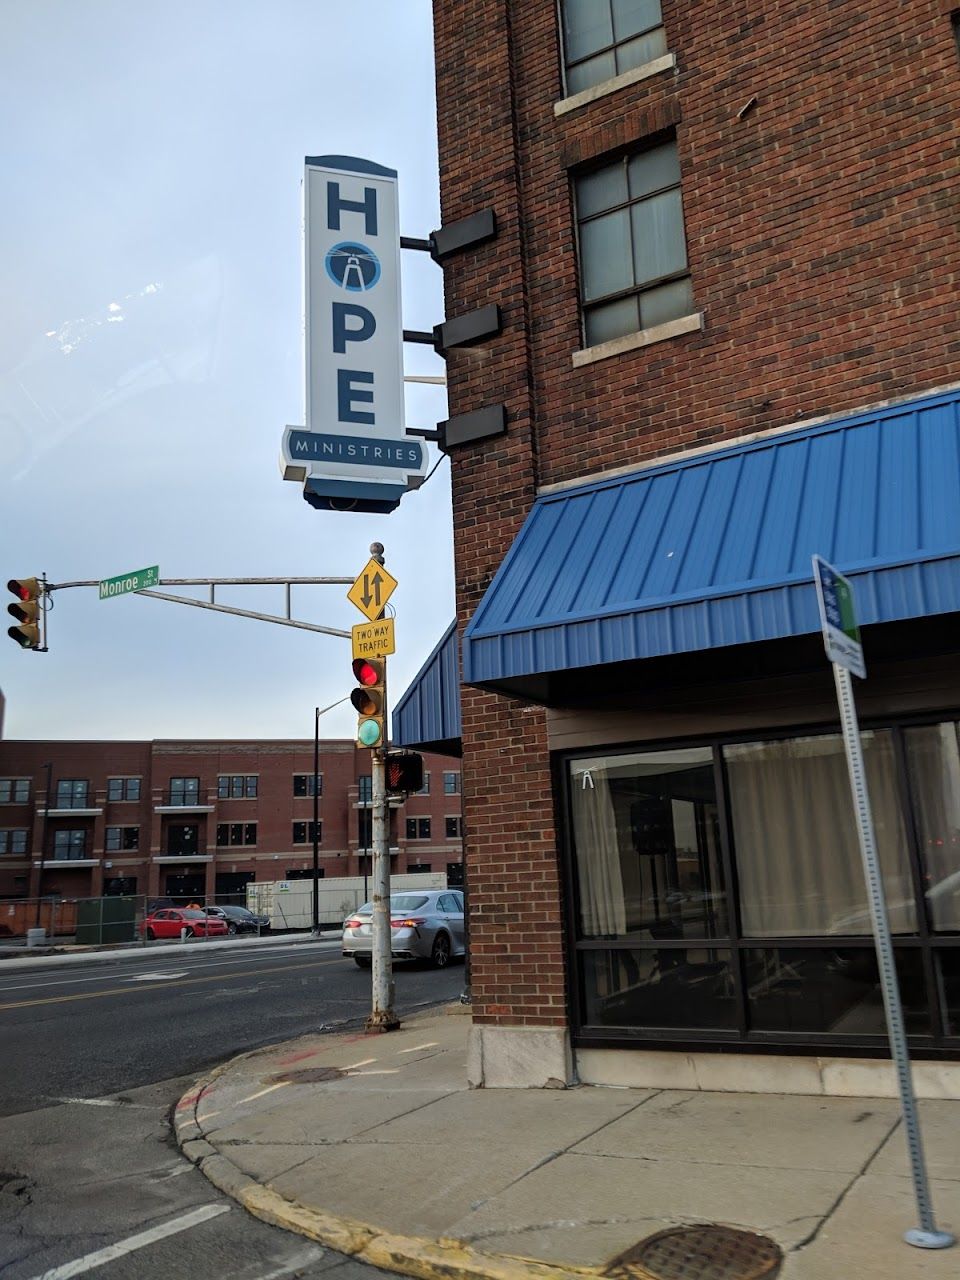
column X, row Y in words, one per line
column 352, row 266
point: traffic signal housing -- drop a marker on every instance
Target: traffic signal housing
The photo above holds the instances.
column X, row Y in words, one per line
column 26, row 611
column 370, row 700
column 404, row 773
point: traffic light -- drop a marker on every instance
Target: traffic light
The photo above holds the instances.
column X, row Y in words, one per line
column 26, row 611
column 370, row 700
column 404, row 773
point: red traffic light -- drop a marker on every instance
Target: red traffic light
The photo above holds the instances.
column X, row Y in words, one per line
column 366, row 672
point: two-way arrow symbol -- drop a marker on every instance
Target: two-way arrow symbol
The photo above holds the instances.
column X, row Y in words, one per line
column 367, row 597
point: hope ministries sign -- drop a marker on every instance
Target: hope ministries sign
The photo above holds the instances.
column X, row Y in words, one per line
column 352, row 454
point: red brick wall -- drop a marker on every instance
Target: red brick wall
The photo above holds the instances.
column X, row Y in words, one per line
column 274, row 810
column 822, row 240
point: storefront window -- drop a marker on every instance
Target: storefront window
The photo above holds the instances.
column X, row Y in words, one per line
column 795, row 837
column 647, row 846
column 828, row 990
column 662, row 987
column 933, row 764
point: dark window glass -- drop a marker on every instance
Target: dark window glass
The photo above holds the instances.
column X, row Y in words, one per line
column 832, row 990
column 68, row 845
column 948, row 975
column 365, row 788
column 303, row 832
column 423, row 828
column 236, row 833
column 71, row 793
column 647, row 846
column 250, row 833
column 792, row 799
column 411, row 828
column 665, row 987
column 453, row 828
column 303, row 784
column 223, row 833
column 604, row 38
column 123, row 788
column 364, row 829
column 417, row 868
column 633, row 254
column 451, row 784
column 184, row 791
column 933, row 766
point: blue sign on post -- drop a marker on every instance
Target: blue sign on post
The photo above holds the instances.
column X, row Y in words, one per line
column 353, row 453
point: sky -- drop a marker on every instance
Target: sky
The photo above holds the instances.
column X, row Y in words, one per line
column 150, row 353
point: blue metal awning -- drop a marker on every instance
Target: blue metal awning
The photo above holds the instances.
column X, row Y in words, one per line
column 714, row 549
column 427, row 716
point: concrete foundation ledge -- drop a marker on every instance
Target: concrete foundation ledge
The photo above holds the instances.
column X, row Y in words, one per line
column 761, row 1073
column 519, row 1058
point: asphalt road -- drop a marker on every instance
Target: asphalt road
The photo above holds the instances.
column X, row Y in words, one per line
column 95, row 1056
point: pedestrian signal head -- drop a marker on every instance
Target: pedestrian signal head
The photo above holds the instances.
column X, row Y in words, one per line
column 404, row 774
column 26, row 611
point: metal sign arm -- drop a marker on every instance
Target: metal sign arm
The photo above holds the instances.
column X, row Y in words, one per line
column 248, row 613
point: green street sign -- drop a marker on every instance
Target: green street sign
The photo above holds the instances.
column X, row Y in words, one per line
column 137, row 581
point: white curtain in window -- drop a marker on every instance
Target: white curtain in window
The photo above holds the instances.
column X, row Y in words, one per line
column 795, row 837
column 602, row 908
column 933, row 759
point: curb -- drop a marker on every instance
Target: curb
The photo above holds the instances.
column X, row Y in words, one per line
column 425, row 1258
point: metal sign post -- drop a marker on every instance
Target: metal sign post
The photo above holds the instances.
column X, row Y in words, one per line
column 842, row 641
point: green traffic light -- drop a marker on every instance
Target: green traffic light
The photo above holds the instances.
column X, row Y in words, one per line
column 368, row 733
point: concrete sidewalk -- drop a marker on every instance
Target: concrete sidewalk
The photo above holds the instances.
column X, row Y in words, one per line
column 375, row 1146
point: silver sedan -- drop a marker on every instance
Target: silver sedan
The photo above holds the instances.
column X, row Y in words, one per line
column 426, row 926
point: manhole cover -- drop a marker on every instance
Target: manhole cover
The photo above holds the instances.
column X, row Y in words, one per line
column 309, row 1075
column 698, row 1253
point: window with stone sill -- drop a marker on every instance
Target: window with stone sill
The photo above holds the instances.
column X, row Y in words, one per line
column 120, row 838
column 633, row 254
column 14, row 841
column 605, row 38
column 14, row 790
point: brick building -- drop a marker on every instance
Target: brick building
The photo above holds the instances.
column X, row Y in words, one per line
column 726, row 257
column 182, row 819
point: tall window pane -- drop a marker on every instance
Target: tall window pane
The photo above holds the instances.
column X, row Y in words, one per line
column 647, row 846
column 602, row 38
column 795, row 837
column 933, row 766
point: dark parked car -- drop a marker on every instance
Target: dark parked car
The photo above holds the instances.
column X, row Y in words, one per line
column 239, row 919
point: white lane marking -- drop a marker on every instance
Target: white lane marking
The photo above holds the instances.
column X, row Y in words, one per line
column 93, row 1102
column 132, row 1243
column 158, row 977
column 364, row 1063
column 269, row 1089
column 389, row 1071
column 431, row 1044
column 312, row 1253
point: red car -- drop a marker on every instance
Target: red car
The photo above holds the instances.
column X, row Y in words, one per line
column 169, row 921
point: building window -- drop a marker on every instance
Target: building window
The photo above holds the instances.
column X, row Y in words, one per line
column 418, row 828
column 451, row 784
column 69, row 845
column 303, row 832
column 365, row 788
column 303, row 784
column 118, row 838
column 236, row 833
column 453, row 828
column 14, row 790
column 425, row 789
column 633, row 255
column 604, row 38
column 419, row 868
column 364, row 829
column 237, row 786
column 71, row 794
column 14, row 842
column 184, row 791
column 298, row 873
column 123, row 788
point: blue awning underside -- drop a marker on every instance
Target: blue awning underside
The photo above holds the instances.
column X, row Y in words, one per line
column 427, row 716
column 715, row 550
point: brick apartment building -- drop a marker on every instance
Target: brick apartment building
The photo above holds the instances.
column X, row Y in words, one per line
column 726, row 258
column 183, row 819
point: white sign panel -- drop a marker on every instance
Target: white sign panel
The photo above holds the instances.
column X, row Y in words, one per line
column 352, row 453
column 838, row 619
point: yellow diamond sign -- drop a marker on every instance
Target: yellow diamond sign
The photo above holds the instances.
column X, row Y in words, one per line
column 372, row 589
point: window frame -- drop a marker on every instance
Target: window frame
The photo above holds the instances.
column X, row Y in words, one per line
column 79, row 790
column 934, row 1044
column 81, row 844
column 184, row 802
column 126, row 786
column 566, row 62
column 15, row 785
column 307, row 792
column 123, row 845
column 227, row 788
column 307, row 825
column 453, row 790
column 8, row 842
column 635, row 290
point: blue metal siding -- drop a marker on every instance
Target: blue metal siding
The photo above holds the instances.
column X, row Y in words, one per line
column 715, row 549
column 428, row 713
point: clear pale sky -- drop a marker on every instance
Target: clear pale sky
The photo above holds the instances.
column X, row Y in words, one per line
column 150, row 352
